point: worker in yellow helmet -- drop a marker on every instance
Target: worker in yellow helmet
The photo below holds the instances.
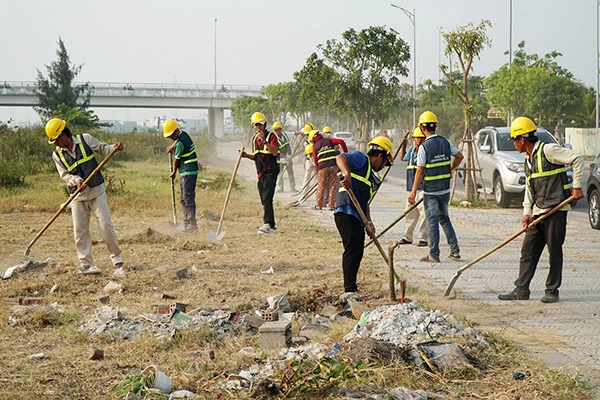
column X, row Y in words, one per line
column 309, row 167
column 324, row 153
column 186, row 162
column 265, row 150
column 546, row 186
column 436, row 159
column 358, row 173
column 74, row 159
column 285, row 157
column 412, row 218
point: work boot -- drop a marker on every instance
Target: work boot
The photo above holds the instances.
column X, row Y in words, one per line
column 516, row 294
column 550, row 297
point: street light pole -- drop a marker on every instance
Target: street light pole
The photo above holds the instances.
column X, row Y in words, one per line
column 597, row 66
column 440, row 54
column 508, row 117
column 215, row 87
column 412, row 17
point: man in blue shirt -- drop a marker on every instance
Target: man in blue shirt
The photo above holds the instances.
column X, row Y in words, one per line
column 434, row 167
column 358, row 170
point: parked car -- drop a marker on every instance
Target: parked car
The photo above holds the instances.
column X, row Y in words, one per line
column 592, row 192
column 347, row 137
column 502, row 166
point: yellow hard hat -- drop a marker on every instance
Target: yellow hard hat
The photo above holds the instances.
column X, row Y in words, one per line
column 277, row 125
column 428, row 118
column 308, row 149
column 521, row 126
column 417, row 132
column 384, row 144
column 308, row 127
column 54, row 128
column 258, row 118
column 312, row 135
column 169, row 127
column 326, row 129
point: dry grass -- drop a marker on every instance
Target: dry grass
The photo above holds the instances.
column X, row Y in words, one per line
column 306, row 260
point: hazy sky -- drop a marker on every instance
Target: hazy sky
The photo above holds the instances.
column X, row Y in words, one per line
column 260, row 42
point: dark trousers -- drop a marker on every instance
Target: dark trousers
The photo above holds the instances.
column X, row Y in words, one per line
column 188, row 197
column 549, row 232
column 266, row 191
column 353, row 239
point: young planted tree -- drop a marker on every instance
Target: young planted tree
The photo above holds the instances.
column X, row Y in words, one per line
column 465, row 45
column 368, row 65
column 58, row 97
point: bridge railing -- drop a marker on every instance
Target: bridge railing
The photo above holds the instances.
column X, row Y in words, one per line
column 120, row 89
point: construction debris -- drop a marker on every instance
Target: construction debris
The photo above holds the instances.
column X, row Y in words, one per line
column 27, row 263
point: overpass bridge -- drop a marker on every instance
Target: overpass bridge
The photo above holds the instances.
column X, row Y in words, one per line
column 143, row 95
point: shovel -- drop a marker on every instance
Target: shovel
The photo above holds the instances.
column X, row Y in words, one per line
column 174, row 223
column 366, row 221
column 306, row 196
column 218, row 235
column 487, row 253
column 65, row 204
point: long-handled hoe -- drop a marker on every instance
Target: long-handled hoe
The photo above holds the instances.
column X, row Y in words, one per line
column 69, row 200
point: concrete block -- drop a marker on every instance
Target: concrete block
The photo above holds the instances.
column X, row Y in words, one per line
column 255, row 322
column 11, row 301
column 275, row 334
column 162, row 309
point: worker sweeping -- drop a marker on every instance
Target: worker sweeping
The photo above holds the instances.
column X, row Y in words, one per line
column 74, row 160
column 265, row 149
column 186, row 162
column 324, row 154
column 546, row 186
column 358, row 171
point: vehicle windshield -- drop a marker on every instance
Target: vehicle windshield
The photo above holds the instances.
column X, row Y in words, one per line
column 505, row 143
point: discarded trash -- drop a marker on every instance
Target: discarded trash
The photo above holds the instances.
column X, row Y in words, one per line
column 179, row 317
column 182, row 394
column 53, row 289
column 161, row 381
column 37, row 356
column 444, row 356
column 28, row 263
column 269, row 271
column 519, row 376
column 96, row 354
column 279, row 302
column 335, row 349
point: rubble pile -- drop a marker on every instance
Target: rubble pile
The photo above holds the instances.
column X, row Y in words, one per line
column 408, row 323
column 109, row 320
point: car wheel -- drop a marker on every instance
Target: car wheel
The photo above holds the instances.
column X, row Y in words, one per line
column 593, row 211
column 502, row 198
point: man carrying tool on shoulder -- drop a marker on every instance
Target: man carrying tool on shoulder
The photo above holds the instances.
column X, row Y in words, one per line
column 547, row 186
column 357, row 169
column 186, row 161
column 264, row 154
column 74, row 160
column 412, row 218
column 285, row 157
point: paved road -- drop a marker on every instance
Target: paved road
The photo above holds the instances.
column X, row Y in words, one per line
column 564, row 334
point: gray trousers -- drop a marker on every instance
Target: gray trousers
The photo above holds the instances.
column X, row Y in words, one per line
column 188, row 198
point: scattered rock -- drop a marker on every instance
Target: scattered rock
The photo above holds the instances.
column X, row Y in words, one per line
column 358, row 308
column 53, row 289
column 37, row 356
column 182, row 394
column 112, row 287
column 401, row 393
column 96, row 354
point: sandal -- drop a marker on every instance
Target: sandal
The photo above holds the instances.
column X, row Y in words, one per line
column 422, row 243
column 455, row 256
column 404, row 241
column 429, row 259
column 317, row 208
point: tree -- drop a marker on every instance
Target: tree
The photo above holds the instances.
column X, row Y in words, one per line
column 466, row 44
column 538, row 87
column 57, row 91
column 242, row 109
column 367, row 64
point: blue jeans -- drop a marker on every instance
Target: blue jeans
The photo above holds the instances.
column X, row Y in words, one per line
column 436, row 211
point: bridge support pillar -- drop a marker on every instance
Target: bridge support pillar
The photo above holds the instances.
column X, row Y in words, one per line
column 215, row 122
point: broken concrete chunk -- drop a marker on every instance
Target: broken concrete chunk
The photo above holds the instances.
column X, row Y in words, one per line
column 108, row 313
column 255, row 322
column 101, row 299
column 37, row 356
column 112, row 287
column 358, row 308
column 402, row 393
column 182, row 394
column 181, row 273
column 96, row 354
